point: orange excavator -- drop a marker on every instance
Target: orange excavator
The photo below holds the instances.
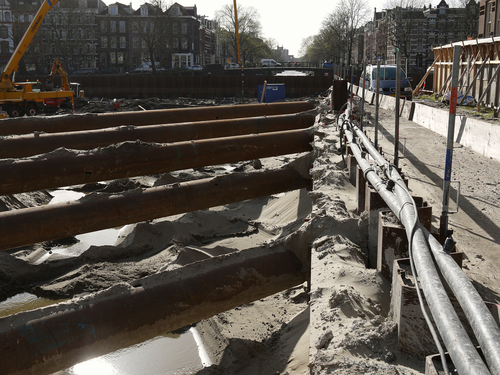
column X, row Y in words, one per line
column 52, row 104
column 19, row 98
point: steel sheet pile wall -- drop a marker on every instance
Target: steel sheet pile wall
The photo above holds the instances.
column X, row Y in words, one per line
column 196, row 86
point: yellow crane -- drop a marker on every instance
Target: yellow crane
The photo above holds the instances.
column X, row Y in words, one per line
column 237, row 34
column 18, row 98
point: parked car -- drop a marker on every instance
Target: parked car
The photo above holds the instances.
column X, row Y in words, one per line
column 85, row 71
column 195, row 67
column 269, row 63
column 146, row 67
column 387, row 80
column 232, row 66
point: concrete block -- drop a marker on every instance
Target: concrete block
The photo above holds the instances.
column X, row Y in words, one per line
column 414, row 337
column 352, row 165
column 373, row 204
column 392, row 238
column 360, row 189
column 480, row 136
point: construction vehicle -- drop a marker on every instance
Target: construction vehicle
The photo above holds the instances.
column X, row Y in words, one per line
column 53, row 103
column 19, row 98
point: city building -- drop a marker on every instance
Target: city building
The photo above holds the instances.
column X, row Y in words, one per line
column 70, row 34
column 15, row 16
column 415, row 31
column 489, row 18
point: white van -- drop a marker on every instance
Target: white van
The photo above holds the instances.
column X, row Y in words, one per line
column 269, row 63
column 387, row 80
column 145, row 67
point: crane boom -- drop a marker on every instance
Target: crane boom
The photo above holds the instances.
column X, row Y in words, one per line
column 13, row 64
column 237, row 32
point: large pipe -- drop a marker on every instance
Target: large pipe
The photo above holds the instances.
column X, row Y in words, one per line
column 484, row 326
column 161, row 116
column 57, row 337
column 482, row 322
column 135, row 159
column 28, row 145
column 36, row 224
column 460, row 347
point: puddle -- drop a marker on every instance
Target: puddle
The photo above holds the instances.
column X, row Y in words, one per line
column 24, row 302
column 163, row 355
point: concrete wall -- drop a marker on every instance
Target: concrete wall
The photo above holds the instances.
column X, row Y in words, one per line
column 480, row 136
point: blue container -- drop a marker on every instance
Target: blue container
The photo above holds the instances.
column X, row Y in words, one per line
column 274, row 92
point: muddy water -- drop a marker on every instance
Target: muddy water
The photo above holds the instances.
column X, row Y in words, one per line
column 166, row 355
column 163, row 355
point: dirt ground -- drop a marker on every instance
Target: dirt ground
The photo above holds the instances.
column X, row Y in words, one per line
column 353, row 328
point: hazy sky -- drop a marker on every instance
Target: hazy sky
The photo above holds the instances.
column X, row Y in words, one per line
column 287, row 23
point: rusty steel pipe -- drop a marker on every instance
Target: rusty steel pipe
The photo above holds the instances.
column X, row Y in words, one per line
column 28, row 145
column 135, row 159
column 36, row 224
column 57, row 337
column 161, row 116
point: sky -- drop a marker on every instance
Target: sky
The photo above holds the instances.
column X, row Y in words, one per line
column 286, row 22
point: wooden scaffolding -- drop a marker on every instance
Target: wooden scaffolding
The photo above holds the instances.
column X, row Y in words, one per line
column 479, row 68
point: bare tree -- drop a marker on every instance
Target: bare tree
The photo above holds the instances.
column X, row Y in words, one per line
column 404, row 17
column 154, row 27
column 69, row 33
column 340, row 27
column 469, row 20
column 249, row 28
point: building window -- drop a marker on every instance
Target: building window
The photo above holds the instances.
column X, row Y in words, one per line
column 4, row 32
column 112, row 26
column 112, row 57
column 102, row 59
column 113, row 42
column 21, row 18
column 7, row 17
column 135, row 42
column 104, row 25
column 184, row 28
column 489, row 10
column 123, row 42
column 498, row 25
column 104, row 42
column 4, row 47
column 175, row 28
column 143, row 44
column 184, row 43
column 113, row 10
column 122, row 26
column 120, row 57
column 144, row 10
column 175, row 43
